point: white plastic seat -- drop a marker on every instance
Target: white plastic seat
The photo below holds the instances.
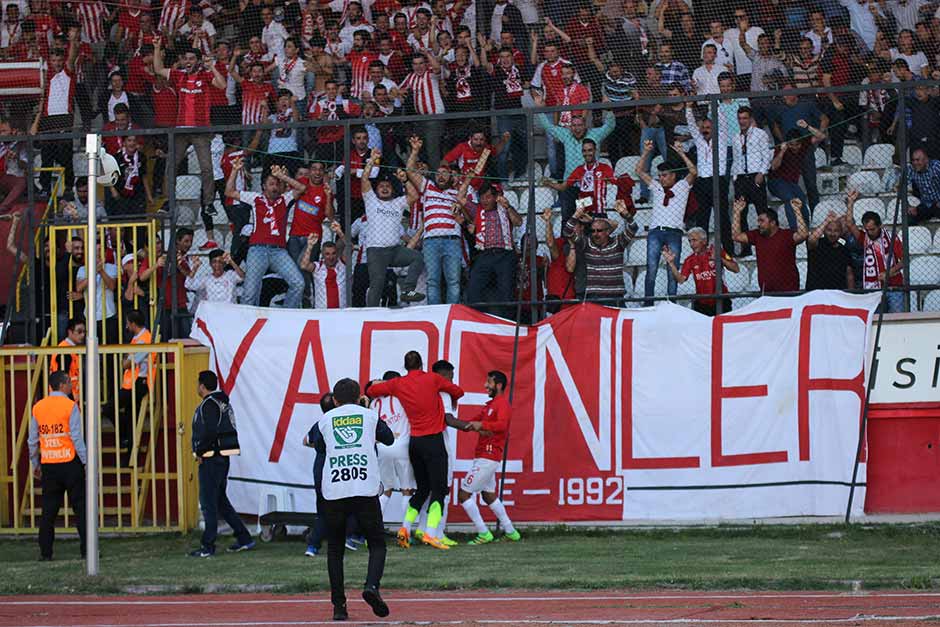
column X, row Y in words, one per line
column 919, row 241
column 936, row 241
column 931, row 301
column 274, row 499
column 863, row 205
column 801, row 268
column 925, row 270
column 544, row 197
column 626, row 165
column 879, row 156
column 513, row 199
column 801, row 251
column 636, row 256
column 642, row 218
column 739, row 281
column 867, row 183
column 821, row 158
column 852, row 155
column 823, row 209
column 741, row 303
column 188, row 187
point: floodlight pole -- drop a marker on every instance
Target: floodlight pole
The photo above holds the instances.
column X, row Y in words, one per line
column 92, row 143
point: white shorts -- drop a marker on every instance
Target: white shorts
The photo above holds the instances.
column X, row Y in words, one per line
column 482, row 476
column 395, row 468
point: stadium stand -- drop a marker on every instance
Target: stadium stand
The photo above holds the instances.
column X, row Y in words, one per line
column 528, row 116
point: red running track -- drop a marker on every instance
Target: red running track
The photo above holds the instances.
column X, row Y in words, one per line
column 481, row 607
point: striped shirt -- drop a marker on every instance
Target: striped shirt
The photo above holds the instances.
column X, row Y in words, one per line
column 254, row 97
column 439, row 211
column 604, row 264
column 426, row 90
column 91, row 18
column 926, row 183
column 620, row 89
column 172, row 12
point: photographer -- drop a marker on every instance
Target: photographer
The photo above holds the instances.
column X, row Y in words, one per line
column 214, row 441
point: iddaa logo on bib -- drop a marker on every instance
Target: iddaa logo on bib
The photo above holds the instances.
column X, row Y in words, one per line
column 347, row 430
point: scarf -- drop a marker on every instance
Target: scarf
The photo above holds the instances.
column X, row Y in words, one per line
column 131, row 172
column 492, row 234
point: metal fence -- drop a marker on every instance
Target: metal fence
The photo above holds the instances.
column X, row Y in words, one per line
column 849, row 141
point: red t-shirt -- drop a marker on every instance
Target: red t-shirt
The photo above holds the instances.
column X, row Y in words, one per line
column 217, row 97
column 466, row 158
column 241, row 184
column 138, row 80
column 194, row 97
column 167, row 283
column 776, row 261
column 130, row 23
column 495, row 416
column 573, row 94
column 113, row 144
column 419, row 393
column 701, row 267
column 165, row 105
column 560, row 282
column 254, row 96
column 357, row 162
column 592, row 182
column 550, row 74
column 269, row 218
column 309, row 210
column 579, row 34
column 359, row 61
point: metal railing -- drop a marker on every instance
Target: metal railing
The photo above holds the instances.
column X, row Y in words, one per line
column 141, row 483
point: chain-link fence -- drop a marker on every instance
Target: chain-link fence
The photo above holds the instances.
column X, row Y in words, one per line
column 630, row 202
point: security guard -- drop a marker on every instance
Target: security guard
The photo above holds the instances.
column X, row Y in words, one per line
column 57, row 454
column 71, row 363
column 137, row 379
column 346, row 474
column 214, row 441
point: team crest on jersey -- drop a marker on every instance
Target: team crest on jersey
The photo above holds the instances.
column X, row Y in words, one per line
column 347, row 430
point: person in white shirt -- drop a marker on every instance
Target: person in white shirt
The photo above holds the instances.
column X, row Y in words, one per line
column 907, row 12
column 739, row 53
column 705, row 77
column 863, row 17
column 220, row 285
column 199, row 31
column 669, row 198
column 377, row 77
column 105, row 285
column 724, row 47
column 11, row 28
column 354, row 22
column 273, row 35
column 819, row 33
column 329, row 274
column 703, row 138
column 916, row 60
column 384, row 213
column 752, row 153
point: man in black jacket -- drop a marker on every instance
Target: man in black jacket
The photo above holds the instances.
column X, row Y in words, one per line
column 214, row 441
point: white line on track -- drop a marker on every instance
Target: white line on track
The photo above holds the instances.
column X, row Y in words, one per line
column 516, row 621
column 199, row 600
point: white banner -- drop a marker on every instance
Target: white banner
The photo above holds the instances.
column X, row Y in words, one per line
column 618, row 414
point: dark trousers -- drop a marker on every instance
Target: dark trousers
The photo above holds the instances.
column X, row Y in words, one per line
column 56, row 152
column 429, row 462
column 705, row 198
column 711, row 308
column 380, row 259
column 491, row 279
column 213, row 480
column 368, row 515
column 747, row 188
column 128, row 409
column 808, row 171
column 360, row 284
column 57, row 480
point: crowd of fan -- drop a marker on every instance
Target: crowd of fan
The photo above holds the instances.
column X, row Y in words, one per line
column 430, row 200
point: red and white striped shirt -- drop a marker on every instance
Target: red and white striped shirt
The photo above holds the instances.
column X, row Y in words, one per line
column 254, row 97
column 173, row 11
column 426, row 90
column 91, row 16
column 359, row 61
column 438, row 204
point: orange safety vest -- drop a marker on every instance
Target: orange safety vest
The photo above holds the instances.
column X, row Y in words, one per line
column 74, row 371
column 53, row 414
column 130, row 375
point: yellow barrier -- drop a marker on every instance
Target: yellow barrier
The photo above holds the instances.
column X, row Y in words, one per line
column 117, row 233
column 147, row 486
